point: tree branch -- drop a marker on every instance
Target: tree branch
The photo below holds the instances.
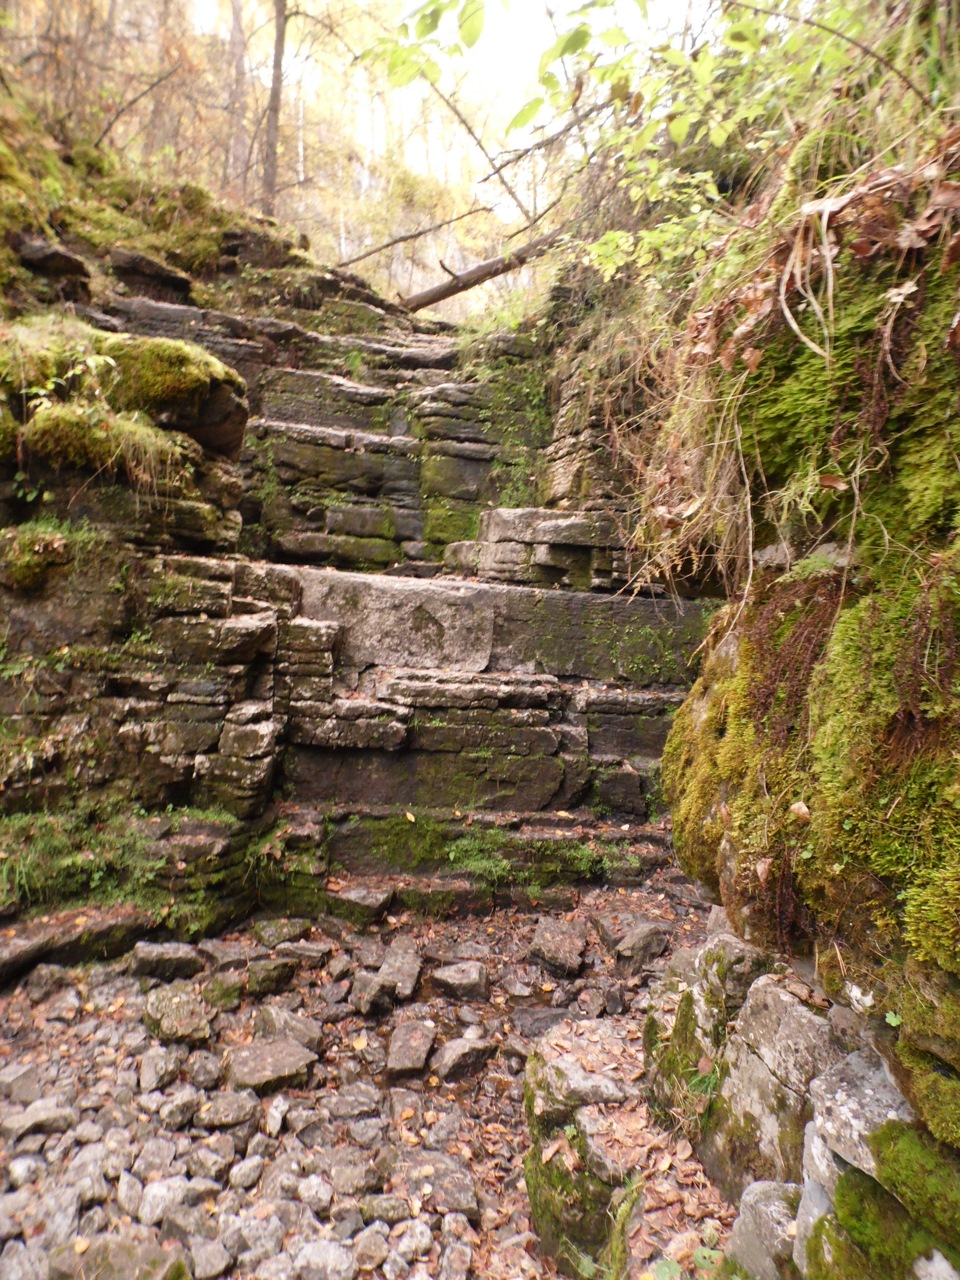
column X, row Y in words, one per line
column 412, row 235
column 482, row 272
column 452, row 106
column 122, row 111
column 841, row 35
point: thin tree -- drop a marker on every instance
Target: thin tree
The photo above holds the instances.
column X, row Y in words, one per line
column 271, row 143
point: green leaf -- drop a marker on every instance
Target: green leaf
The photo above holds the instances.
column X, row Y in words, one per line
column 718, row 135
column 893, row 1019
column 472, row 13
column 666, row 1269
column 742, row 35
column 403, row 68
column 525, row 114
column 678, row 128
column 428, row 21
column 614, row 37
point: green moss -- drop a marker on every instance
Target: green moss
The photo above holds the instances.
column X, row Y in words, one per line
column 832, row 1255
column 450, row 521
column 878, row 1224
column 154, row 374
column 934, row 1091
column 30, row 552
column 924, row 1176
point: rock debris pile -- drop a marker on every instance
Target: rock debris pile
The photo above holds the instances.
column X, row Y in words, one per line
column 322, row 1100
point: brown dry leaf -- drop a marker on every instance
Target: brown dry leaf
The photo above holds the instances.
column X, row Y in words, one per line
column 704, row 1066
column 800, row 810
column 951, row 255
column 836, row 483
column 946, row 196
column 684, row 1149
column 762, row 869
column 751, row 357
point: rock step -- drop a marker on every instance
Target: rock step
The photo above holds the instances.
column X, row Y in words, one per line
column 472, row 627
column 483, row 849
column 478, row 740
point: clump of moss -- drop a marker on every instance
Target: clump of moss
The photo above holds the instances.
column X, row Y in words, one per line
column 879, row 1225
column 30, row 552
column 924, row 1176
column 71, row 396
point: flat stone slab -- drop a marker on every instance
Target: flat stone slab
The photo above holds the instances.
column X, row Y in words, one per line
column 110, row 1257
column 46, row 1115
column 274, row 1022
column 265, row 1066
column 462, row 1057
column 226, row 1110
column 166, row 960
column 559, row 945
column 467, row 980
column 642, row 944
column 410, row 1047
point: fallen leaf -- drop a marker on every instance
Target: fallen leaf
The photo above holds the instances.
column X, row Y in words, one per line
column 751, row 357
column 409, row 816
column 81, row 1244
column 762, row 869
column 836, row 483
column 800, row 810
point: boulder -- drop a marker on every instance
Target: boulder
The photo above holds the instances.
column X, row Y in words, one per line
column 762, row 1238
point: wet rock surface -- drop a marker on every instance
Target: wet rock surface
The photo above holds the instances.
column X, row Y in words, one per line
column 357, row 1108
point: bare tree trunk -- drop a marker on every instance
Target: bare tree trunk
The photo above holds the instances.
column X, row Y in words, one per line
column 235, row 157
column 271, row 144
column 479, row 274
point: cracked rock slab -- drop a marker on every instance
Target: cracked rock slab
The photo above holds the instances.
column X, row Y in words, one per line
column 266, row 1066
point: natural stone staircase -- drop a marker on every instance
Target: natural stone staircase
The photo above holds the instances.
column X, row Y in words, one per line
column 357, row 615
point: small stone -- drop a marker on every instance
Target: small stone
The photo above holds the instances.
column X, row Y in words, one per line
column 370, row 1248
column 210, row 1258
column 640, row 945
column 225, row 990
column 20, row 1083
column 269, row 1065
column 174, row 1013
column 410, row 1047
column 442, row 1179
column 462, row 1057
column 155, row 1158
column 180, row 1107
column 115, row 1257
column 46, row 1115
column 247, row 1173
column 384, row 1208
column 316, row 1193
column 362, row 905
column 211, row 1158
column 401, row 968
column 25, row 1169
column 467, row 980
column 44, row 980
column 371, row 993
column 274, row 1021
column 160, row 1197
column 559, row 945
column 325, row 1260
column 226, row 1110
column 272, row 933
column 203, row 1069
column 267, row 977
column 166, row 960
column 416, row 1241
column 129, row 1193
